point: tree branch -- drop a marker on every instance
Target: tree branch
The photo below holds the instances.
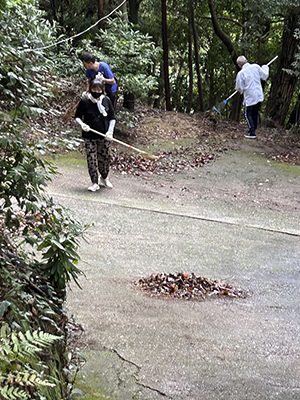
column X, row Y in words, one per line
column 220, row 33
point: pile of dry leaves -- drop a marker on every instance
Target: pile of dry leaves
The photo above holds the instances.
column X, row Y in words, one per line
column 172, row 161
column 184, row 286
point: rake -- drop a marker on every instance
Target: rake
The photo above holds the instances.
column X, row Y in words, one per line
column 68, row 114
column 145, row 154
column 220, row 106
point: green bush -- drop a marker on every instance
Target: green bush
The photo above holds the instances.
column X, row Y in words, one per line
column 133, row 57
column 38, row 257
column 49, row 229
column 22, row 86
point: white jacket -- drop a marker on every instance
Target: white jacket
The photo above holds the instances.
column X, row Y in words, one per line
column 248, row 83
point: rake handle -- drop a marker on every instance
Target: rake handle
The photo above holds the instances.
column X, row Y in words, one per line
column 120, row 142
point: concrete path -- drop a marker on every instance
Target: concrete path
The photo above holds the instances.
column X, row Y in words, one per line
column 237, row 220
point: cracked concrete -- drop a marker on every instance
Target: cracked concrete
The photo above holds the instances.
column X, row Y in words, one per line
column 237, row 220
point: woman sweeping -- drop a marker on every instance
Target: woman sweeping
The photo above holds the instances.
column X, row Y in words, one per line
column 95, row 111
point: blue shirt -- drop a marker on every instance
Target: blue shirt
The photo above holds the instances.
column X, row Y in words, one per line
column 105, row 69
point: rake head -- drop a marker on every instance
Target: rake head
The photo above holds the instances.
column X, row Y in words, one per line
column 220, row 106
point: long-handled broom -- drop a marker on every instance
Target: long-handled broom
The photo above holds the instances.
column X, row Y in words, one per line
column 145, row 154
column 220, row 106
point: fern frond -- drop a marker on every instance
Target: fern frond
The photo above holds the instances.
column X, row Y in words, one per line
column 11, row 393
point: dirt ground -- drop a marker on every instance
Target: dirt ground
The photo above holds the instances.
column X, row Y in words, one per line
column 161, row 131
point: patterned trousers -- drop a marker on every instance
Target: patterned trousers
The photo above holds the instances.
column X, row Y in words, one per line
column 98, row 158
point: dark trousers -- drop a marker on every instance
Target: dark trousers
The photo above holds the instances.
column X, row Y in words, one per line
column 113, row 98
column 98, row 158
column 251, row 115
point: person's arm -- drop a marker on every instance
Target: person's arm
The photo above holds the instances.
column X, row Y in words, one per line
column 107, row 73
column 88, row 81
column 112, row 120
column 84, row 126
column 79, row 114
column 109, row 81
column 239, row 84
column 110, row 132
column 264, row 72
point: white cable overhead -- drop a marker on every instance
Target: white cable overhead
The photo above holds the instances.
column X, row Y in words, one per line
column 78, row 34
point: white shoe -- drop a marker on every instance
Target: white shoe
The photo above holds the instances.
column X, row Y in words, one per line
column 94, row 187
column 105, row 182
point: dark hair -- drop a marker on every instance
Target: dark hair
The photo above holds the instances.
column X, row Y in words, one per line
column 97, row 83
column 87, row 57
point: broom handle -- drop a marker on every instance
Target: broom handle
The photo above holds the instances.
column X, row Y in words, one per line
column 270, row 62
column 119, row 141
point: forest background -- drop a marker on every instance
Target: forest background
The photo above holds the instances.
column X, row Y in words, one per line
column 175, row 55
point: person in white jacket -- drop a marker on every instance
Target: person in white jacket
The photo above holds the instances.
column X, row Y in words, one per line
column 248, row 83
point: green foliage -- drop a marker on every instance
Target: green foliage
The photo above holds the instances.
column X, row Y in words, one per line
column 2, row 5
column 56, row 236
column 133, row 57
column 23, row 176
column 32, row 281
column 66, row 61
column 23, row 88
column 73, row 16
column 50, row 229
column 22, row 370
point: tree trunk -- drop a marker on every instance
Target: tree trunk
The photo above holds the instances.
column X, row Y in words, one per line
column 125, row 13
column 294, row 119
column 165, row 54
column 53, row 8
column 237, row 104
column 128, row 101
column 283, row 84
column 220, row 33
column 196, row 47
column 236, row 107
column 133, row 13
column 190, row 62
column 101, row 14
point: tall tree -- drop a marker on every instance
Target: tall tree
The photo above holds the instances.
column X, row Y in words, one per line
column 284, row 83
column 294, row 119
column 101, row 14
column 221, row 33
column 190, row 63
column 196, row 50
column 133, row 12
column 225, row 38
column 165, row 54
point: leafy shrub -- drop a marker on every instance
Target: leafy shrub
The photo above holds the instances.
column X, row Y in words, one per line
column 48, row 228
column 22, row 373
column 21, row 85
column 38, row 257
column 133, row 57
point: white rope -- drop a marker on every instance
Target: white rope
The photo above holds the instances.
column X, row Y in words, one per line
column 78, row 34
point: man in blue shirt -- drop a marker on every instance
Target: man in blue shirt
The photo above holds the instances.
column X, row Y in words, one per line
column 94, row 67
column 248, row 83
